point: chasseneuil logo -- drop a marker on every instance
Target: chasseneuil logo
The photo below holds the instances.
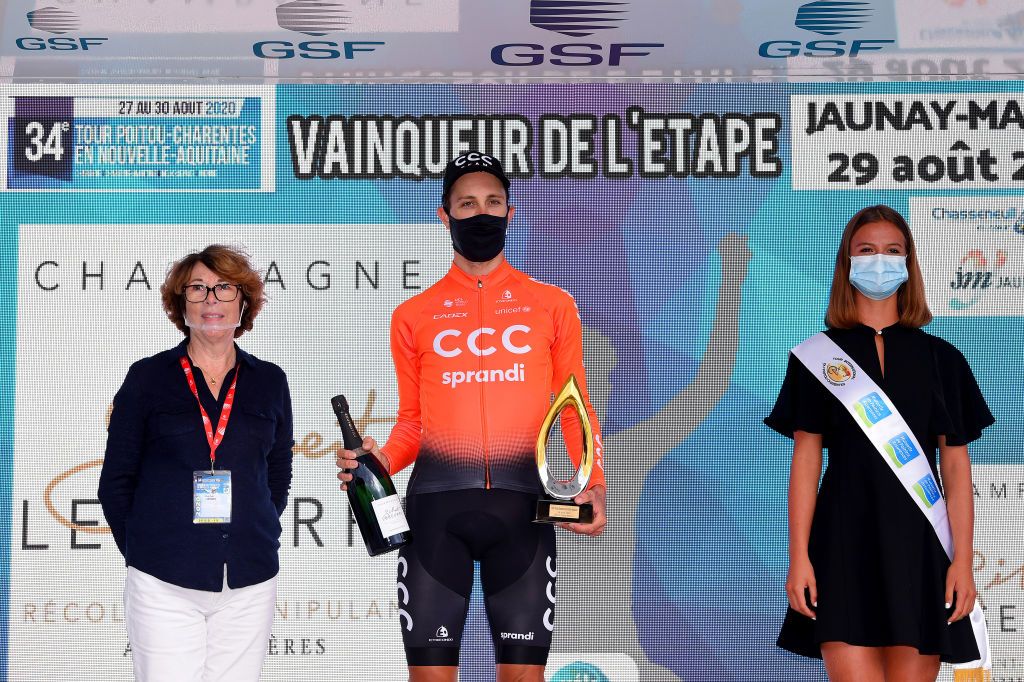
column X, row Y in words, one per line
column 576, row 19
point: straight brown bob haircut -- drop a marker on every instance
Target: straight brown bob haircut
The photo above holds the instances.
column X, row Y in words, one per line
column 229, row 263
column 910, row 299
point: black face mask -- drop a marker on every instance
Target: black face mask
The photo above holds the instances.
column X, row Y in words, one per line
column 479, row 238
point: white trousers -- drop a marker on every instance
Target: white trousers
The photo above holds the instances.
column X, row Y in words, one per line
column 183, row 635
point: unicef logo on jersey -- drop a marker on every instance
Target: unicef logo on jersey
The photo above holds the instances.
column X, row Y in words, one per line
column 579, row 671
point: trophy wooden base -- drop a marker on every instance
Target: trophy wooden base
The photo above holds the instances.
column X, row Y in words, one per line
column 563, row 511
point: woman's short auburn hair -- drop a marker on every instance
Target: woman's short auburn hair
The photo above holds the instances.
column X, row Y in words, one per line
column 910, row 299
column 230, row 263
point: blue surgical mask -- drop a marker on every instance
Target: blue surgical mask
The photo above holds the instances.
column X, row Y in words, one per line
column 878, row 276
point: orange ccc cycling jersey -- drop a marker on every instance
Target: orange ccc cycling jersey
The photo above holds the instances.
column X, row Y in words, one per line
column 478, row 359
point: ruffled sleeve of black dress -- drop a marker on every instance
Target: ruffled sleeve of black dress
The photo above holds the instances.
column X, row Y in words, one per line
column 801, row 405
column 959, row 410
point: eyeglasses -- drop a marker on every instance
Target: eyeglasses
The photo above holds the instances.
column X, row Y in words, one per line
column 223, row 292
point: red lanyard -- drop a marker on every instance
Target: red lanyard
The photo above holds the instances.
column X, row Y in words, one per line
column 225, row 412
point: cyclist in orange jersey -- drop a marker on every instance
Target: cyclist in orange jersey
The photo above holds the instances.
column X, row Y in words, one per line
column 478, row 357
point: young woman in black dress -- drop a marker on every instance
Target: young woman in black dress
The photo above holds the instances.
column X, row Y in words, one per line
column 870, row 588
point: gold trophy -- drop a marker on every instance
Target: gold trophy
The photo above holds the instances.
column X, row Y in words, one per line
column 557, row 505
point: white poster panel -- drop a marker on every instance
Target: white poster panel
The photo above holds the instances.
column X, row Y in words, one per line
column 89, row 305
column 911, row 141
column 971, row 251
column 925, row 24
column 999, row 561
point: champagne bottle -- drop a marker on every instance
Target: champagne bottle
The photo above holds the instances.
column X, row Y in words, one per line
column 371, row 492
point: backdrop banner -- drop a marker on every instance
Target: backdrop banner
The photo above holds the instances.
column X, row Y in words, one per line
column 695, row 224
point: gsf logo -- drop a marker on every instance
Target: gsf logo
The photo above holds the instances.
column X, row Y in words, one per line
column 827, row 18
column 57, row 21
column 313, row 18
column 568, row 54
column 63, row 44
column 313, row 49
column 819, row 48
column 576, row 20
column 472, row 343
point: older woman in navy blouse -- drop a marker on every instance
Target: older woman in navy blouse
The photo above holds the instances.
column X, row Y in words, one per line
column 195, row 478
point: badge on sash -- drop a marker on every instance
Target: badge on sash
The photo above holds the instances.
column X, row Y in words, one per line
column 211, row 496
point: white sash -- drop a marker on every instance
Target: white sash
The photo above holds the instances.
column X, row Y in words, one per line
column 885, row 427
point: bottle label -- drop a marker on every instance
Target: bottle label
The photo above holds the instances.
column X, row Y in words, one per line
column 390, row 516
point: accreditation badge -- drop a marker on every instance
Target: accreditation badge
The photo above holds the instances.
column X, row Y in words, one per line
column 211, row 496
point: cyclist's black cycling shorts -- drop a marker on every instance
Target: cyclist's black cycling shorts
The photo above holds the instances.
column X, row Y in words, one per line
column 451, row 530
